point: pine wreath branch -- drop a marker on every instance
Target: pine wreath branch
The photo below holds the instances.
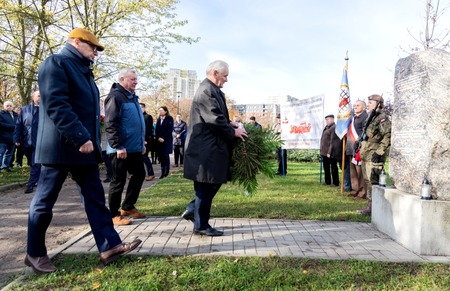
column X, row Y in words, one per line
column 253, row 156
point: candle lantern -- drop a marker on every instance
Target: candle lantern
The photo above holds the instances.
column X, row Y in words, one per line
column 426, row 190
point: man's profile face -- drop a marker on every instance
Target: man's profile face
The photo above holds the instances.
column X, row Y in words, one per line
column 220, row 78
column 86, row 49
column 129, row 82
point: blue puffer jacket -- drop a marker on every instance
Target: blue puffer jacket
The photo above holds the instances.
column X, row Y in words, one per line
column 124, row 121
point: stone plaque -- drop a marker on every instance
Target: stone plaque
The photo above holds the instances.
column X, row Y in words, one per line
column 420, row 143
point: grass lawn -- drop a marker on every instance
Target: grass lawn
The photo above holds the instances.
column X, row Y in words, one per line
column 295, row 196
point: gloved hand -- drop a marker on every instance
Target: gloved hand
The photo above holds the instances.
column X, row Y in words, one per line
column 376, row 158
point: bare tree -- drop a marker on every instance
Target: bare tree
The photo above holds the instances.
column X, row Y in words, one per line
column 134, row 32
column 431, row 36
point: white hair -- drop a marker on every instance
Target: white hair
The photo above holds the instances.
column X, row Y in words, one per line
column 8, row 103
column 218, row 65
column 124, row 73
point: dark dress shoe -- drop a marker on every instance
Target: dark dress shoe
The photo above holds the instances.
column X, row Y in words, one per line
column 188, row 215
column 162, row 176
column 110, row 255
column 40, row 265
column 208, row 232
column 29, row 189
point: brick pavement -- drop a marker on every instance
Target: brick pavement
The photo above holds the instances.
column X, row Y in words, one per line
column 172, row 236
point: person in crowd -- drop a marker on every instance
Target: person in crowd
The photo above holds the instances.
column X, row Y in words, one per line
column 253, row 121
column 179, row 137
column 331, row 151
column 281, row 153
column 19, row 152
column 8, row 119
column 375, row 149
column 149, row 137
column 209, row 142
column 125, row 145
column 163, row 135
column 68, row 141
column 355, row 131
column 154, row 146
column 25, row 135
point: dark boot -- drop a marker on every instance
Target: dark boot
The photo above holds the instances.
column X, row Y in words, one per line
column 367, row 210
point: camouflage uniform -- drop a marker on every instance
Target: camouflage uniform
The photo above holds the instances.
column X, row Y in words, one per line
column 379, row 141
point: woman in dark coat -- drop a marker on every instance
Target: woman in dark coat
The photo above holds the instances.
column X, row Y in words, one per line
column 163, row 135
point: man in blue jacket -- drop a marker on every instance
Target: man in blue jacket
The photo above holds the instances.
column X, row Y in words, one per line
column 125, row 145
column 68, row 141
column 25, row 135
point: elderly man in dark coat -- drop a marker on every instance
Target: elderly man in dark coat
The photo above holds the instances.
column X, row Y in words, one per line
column 331, row 151
column 208, row 147
column 68, row 141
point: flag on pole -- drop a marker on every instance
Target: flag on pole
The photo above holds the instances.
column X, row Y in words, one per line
column 344, row 116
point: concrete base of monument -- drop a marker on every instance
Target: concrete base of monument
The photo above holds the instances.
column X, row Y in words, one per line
column 422, row 226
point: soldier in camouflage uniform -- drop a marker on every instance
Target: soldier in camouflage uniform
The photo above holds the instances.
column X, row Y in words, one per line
column 375, row 148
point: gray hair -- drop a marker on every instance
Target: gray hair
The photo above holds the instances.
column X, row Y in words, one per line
column 363, row 103
column 124, row 73
column 218, row 65
column 8, row 103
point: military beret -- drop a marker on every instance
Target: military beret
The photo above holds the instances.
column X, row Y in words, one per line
column 375, row 97
column 86, row 36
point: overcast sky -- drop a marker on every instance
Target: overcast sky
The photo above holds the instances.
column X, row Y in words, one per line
column 298, row 47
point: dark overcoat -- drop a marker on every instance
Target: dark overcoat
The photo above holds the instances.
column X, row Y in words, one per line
column 330, row 144
column 210, row 137
column 164, row 130
column 69, row 111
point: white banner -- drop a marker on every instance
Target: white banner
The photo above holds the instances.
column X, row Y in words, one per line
column 302, row 123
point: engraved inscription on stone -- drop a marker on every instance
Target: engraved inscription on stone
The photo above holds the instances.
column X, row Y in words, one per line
column 410, row 83
column 420, row 143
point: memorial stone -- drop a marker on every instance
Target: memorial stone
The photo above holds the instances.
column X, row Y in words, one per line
column 420, row 143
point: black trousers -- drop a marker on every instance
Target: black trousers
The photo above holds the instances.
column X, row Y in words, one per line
column 282, row 161
column 120, row 167
column 178, row 154
column 330, row 168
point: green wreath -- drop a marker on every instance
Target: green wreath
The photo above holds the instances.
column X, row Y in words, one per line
column 254, row 156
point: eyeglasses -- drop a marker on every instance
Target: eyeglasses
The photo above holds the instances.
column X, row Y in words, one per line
column 93, row 47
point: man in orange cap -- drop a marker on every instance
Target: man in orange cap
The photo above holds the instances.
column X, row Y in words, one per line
column 68, row 141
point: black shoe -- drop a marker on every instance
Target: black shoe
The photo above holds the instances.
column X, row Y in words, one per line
column 162, row 176
column 29, row 189
column 208, row 232
column 188, row 215
column 107, row 180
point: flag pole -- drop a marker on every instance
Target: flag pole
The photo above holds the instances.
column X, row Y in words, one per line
column 344, row 141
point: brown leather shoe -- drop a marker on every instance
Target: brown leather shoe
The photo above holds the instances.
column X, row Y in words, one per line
column 149, row 178
column 133, row 213
column 40, row 265
column 123, row 248
column 353, row 194
column 360, row 197
column 120, row 220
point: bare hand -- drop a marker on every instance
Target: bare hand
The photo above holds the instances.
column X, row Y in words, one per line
column 240, row 133
column 122, row 154
column 160, row 139
column 234, row 124
column 87, row 147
